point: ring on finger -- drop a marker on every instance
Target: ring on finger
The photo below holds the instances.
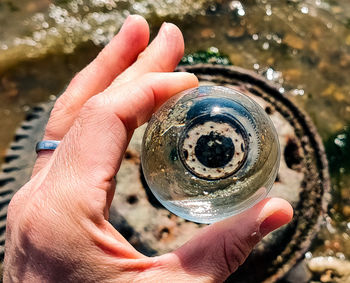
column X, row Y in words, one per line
column 46, row 145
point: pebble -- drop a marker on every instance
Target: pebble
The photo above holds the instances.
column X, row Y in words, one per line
column 345, row 60
column 334, row 91
column 293, row 41
column 338, row 267
column 207, row 33
column 346, row 211
column 347, row 40
column 292, row 74
column 9, row 87
column 235, row 32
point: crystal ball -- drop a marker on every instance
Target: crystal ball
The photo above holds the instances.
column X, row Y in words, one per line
column 209, row 153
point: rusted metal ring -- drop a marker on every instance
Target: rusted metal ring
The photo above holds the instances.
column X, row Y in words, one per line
column 275, row 259
column 152, row 229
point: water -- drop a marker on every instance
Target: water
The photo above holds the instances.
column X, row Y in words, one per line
column 39, row 36
column 303, row 46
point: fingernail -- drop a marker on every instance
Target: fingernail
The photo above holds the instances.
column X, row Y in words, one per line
column 127, row 20
column 272, row 222
column 163, row 27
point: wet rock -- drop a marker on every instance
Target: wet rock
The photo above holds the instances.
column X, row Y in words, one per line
column 327, row 276
column 335, row 92
column 36, row 6
column 237, row 58
column 347, row 40
column 8, row 88
column 330, row 269
column 345, row 60
column 207, row 33
column 299, row 274
column 292, row 74
column 270, row 61
column 336, row 9
column 235, row 32
column 252, row 29
column 314, row 46
column 346, row 211
column 345, row 193
column 323, row 65
column 317, row 31
column 293, row 41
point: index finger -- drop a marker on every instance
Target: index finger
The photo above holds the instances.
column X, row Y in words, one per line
column 118, row 55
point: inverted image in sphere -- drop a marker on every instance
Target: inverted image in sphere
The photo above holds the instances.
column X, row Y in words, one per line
column 209, row 153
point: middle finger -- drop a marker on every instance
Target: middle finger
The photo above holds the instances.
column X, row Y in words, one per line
column 162, row 55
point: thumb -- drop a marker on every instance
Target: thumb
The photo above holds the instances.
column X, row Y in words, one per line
column 222, row 247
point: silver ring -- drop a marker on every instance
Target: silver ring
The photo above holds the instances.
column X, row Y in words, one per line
column 46, row 145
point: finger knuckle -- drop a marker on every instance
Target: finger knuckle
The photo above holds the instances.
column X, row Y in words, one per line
column 62, row 105
column 159, row 64
column 95, row 104
column 18, row 215
column 13, row 208
column 94, row 111
column 235, row 250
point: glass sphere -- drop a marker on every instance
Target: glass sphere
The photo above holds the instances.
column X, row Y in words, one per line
column 209, row 153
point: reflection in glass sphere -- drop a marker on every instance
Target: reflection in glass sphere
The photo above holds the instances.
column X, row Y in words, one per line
column 209, row 153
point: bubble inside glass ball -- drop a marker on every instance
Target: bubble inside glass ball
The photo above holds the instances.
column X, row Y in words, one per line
column 209, row 153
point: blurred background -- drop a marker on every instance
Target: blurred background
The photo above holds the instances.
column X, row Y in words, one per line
column 301, row 46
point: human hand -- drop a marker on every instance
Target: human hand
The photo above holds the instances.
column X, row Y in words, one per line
column 57, row 226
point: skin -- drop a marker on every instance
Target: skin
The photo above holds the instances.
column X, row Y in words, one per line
column 57, row 226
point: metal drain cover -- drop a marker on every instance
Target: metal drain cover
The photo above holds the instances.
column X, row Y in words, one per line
column 302, row 179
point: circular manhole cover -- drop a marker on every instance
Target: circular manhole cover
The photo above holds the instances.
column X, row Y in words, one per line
column 302, row 179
